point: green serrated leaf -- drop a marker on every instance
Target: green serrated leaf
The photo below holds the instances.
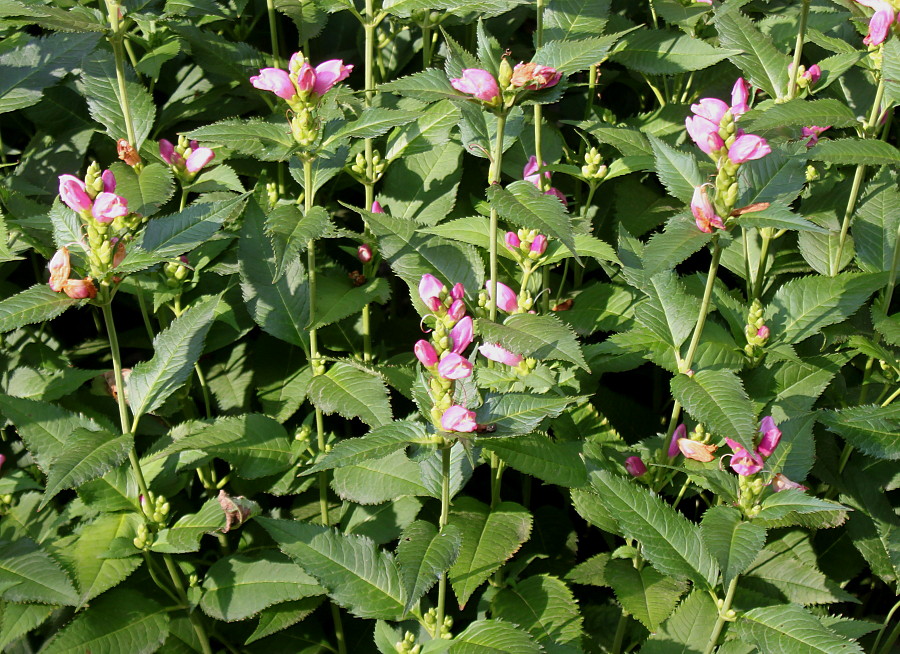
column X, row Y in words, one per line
column 291, row 231
column 519, row 413
column 871, row 428
column 669, row 541
column 184, row 535
column 800, row 112
column 761, row 62
column 668, row 248
column 338, row 298
column 668, row 311
column 238, row 586
column 353, row 393
column 574, row 19
column 489, row 538
column 146, row 191
column 555, row 462
column 570, row 56
column 86, row 455
column 124, row 620
column 853, row 151
column 378, row 443
column 19, row 619
column 253, row 138
column 373, row 122
column 424, row 554
column 718, row 400
column 545, row 607
column 28, row 574
column 678, row 171
column 665, row 52
column 646, row 594
column 733, row 542
column 356, row 574
column 875, row 230
column 522, row 203
column 493, row 637
column 36, row 304
column 791, row 628
column 375, row 481
column 688, row 630
column 539, row 337
column 176, row 350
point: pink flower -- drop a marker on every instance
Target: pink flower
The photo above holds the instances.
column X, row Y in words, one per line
column 2, row 460
column 635, row 466
column 454, row 366
column 743, row 462
column 813, row 73
column 558, row 195
column 704, row 214
column 763, row 333
column 109, row 181
column 530, row 172
column 740, row 94
column 80, row 289
column 881, row 21
column 748, row 147
column 364, row 253
column 275, row 80
column 109, row 206
column 376, row 207
column 813, row 134
column 680, row 432
column 780, row 482
column 496, row 353
column 425, row 353
column 507, row 299
column 539, row 244
column 461, row 335
column 198, row 158
column 478, row 83
column 458, row 418
column 704, row 2
column 167, row 152
column 73, row 192
column 457, row 310
column 458, row 292
column 306, row 77
column 707, row 116
column 696, row 450
column 771, row 437
column 511, row 239
column 329, row 73
column 430, row 287
column 60, row 268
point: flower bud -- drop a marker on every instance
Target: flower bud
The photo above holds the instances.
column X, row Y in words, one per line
column 680, row 432
column 539, row 245
column 60, row 268
column 771, row 437
column 495, row 352
column 425, row 353
column 275, row 80
column 505, row 73
column 697, row 451
column 457, row 310
column 198, row 159
column 430, row 288
column 478, row 83
column 512, row 241
column 80, row 289
column 461, row 335
column 376, row 207
column 454, row 366
column 364, row 253
column 73, row 193
column 109, row 206
column 458, row 292
column 635, row 466
column 458, row 418
column 507, row 299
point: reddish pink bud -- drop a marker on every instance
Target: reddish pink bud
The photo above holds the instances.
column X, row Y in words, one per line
column 512, row 240
column 329, row 73
column 72, row 191
column 704, row 213
column 167, row 151
column 457, row 310
column 2, row 460
column 458, row 418
column 507, row 299
column 763, row 333
column 434, row 304
column 80, row 289
column 109, row 181
column 680, row 432
column 748, row 147
column 275, row 80
column 461, row 335
column 771, row 437
column 813, row 73
column 425, row 353
column 194, row 144
column 780, row 483
column 539, row 244
column 530, row 172
column 430, row 287
column 376, row 207
column 118, row 254
column 559, row 195
column 715, row 142
column 364, row 253
column 59, row 269
column 499, row 354
column 534, row 76
column 454, row 366
column 478, row 83
column 306, row 78
column 635, row 466
column 198, row 159
column 813, row 134
column 458, row 292
column 109, row 206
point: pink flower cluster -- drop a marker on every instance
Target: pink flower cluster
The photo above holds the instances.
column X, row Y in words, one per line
column 747, row 463
column 60, row 269
column 538, row 244
column 192, row 159
column 530, row 174
column 482, row 85
column 302, row 80
column 706, row 122
column 881, row 21
column 104, row 206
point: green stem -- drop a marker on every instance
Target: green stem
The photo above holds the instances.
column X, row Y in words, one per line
column 704, row 304
column 858, row 177
column 893, row 397
column 273, row 32
column 761, row 269
column 494, row 178
column 142, row 303
column 619, row 638
column 798, row 49
column 370, row 159
column 444, row 519
column 720, row 622
column 196, row 621
column 204, row 387
column 892, row 280
column 426, row 46
column 183, row 202
column 884, row 627
column 116, row 39
column 591, row 90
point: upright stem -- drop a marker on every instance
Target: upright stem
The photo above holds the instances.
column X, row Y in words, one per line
column 798, row 50
column 273, row 32
column 619, row 637
column 370, row 159
column 426, row 46
column 704, row 304
column 857, row 178
column 720, row 622
column 591, row 89
column 445, row 516
column 494, row 177
column 539, row 109
column 892, row 280
column 761, row 269
column 116, row 39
